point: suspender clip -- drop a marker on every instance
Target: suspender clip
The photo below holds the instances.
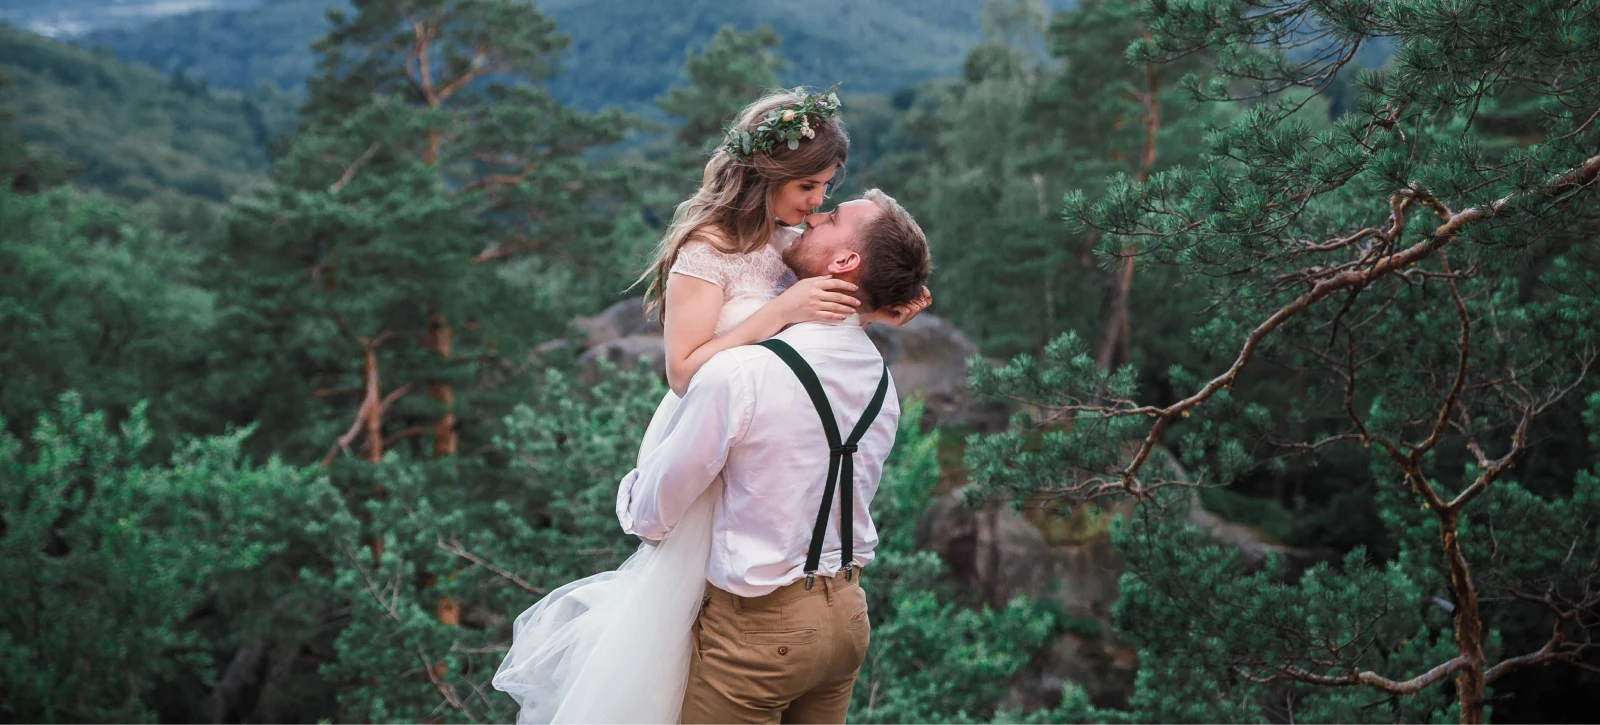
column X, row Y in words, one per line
column 848, row 570
column 810, row 579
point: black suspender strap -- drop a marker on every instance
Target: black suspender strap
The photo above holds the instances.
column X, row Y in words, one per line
column 841, row 457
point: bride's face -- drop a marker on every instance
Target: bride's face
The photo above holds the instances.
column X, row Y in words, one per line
column 795, row 199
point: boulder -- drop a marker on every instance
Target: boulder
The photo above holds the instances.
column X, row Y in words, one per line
column 626, row 352
column 1104, row 667
column 928, row 357
column 1069, row 560
column 1001, row 554
column 623, row 319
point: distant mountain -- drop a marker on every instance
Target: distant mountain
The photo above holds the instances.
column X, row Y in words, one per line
column 65, row 18
column 623, row 52
column 237, row 48
column 133, row 132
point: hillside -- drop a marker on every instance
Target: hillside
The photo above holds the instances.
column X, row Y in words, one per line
column 130, row 130
column 623, row 52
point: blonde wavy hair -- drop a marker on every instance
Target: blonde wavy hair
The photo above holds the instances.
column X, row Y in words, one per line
column 733, row 207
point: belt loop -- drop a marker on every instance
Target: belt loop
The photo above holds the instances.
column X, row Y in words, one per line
column 738, row 604
column 827, row 589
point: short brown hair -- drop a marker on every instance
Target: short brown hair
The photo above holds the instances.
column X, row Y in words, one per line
column 894, row 254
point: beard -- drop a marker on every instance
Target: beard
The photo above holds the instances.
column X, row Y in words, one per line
column 795, row 260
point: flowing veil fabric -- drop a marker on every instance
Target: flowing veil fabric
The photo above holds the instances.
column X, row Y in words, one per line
column 614, row 647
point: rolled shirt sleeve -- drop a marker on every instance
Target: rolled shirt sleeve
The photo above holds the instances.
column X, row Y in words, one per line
column 713, row 416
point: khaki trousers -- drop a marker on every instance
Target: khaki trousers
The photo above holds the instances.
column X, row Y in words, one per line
column 788, row 657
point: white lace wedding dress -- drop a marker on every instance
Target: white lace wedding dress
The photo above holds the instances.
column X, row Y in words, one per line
column 614, row 647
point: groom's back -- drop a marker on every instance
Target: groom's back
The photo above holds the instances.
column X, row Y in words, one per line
column 775, row 472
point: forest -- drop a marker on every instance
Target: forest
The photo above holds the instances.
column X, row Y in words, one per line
column 1256, row 388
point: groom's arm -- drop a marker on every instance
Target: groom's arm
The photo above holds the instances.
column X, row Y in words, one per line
column 713, row 416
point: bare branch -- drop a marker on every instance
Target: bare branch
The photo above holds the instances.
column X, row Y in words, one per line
column 354, row 168
column 1292, row 673
column 454, row 547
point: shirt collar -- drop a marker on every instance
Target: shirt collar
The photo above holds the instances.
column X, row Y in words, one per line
column 844, row 334
column 853, row 320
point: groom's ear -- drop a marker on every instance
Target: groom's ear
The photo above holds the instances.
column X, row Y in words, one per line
column 844, row 260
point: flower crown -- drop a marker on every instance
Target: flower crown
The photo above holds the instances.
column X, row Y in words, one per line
column 785, row 125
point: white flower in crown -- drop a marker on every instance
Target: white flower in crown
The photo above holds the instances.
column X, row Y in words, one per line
column 805, row 130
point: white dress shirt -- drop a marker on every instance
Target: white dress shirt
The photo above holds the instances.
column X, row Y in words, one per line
column 747, row 419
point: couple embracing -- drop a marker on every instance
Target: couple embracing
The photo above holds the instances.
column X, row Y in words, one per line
column 752, row 486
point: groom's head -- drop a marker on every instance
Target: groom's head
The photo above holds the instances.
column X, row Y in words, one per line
column 871, row 241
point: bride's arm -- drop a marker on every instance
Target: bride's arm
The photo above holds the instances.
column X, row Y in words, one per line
column 694, row 304
column 692, row 308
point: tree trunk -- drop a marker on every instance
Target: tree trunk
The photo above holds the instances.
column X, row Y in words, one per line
column 445, row 441
column 1469, row 624
column 1113, row 352
column 373, row 421
column 1114, row 343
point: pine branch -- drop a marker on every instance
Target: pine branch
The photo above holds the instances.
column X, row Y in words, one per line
column 1454, row 224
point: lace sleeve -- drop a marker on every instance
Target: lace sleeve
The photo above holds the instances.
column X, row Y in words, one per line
column 702, row 261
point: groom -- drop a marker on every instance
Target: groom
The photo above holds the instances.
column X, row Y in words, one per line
column 783, row 625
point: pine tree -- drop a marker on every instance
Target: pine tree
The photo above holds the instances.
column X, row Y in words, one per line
column 1043, row 106
column 435, row 221
column 1384, row 263
column 434, row 192
column 732, row 70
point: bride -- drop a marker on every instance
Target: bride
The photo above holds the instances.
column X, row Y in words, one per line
column 615, row 647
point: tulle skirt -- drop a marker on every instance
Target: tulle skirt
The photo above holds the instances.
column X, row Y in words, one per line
column 614, row 647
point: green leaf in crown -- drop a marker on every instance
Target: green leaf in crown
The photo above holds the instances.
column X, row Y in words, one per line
column 786, row 124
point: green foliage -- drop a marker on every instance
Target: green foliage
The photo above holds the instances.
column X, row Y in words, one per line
column 1265, row 515
column 24, row 167
column 466, row 548
column 131, row 132
column 92, row 302
column 1377, row 617
column 106, row 559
